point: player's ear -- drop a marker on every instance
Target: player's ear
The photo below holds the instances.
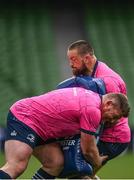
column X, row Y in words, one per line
column 109, row 103
column 86, row 59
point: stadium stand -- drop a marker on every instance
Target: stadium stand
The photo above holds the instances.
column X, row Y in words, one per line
column 28, row 54
column 110, row 29
column 28, row 61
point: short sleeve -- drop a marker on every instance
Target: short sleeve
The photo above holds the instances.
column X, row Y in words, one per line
column 90, row 119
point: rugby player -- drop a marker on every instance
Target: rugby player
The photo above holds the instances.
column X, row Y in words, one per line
column 35, row 121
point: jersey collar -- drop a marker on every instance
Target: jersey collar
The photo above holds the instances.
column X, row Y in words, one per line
column 94, row 70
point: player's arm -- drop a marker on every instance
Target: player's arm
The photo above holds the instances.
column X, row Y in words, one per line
column 74, row 82
column 90, row 151
column 89, row 123
column 87, row 82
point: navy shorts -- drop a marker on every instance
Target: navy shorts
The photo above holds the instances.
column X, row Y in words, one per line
column 111, row 149
column 17, row 130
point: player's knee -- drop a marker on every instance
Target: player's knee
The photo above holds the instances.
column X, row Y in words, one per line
column 56, row 164
column 21, row 167
column 18, row 168
column 59, row 161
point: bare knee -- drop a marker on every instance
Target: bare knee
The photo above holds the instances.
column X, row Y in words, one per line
column 55, row 167
column 17, row 155
column 51, row 157
column 19, row 168
column 55, row 162
column 14, row 169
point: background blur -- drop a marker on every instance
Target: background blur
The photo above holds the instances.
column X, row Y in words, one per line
column 34, row 36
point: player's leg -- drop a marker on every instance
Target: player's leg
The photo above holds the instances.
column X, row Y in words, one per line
column 17, row 156
column 51, row 157
column 20, row 141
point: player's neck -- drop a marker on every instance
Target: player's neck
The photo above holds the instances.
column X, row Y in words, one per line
column 92, row 65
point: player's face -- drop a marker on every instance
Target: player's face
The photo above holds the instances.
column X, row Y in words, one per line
column 77, row 63
column 111, row 114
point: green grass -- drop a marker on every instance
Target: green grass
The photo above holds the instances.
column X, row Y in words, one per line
column 121, row 167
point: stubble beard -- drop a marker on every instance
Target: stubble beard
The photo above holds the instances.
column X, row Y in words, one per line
column 83, row 71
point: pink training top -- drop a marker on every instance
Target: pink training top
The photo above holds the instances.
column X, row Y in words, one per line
column 60, row 113
column 121, row 131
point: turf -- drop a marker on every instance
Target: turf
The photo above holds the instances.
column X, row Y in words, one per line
column 121, row 167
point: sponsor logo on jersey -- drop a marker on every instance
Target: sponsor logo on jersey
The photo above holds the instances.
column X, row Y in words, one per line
column 68, row 143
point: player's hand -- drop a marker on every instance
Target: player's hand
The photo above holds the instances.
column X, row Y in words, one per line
column 103, row 159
